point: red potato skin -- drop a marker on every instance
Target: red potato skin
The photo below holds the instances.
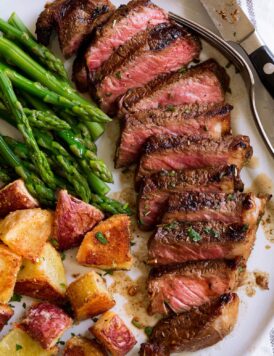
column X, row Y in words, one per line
column 15, row 196
column 73, row 219
column 6, row 313
column 116, row 337
column 45, row 323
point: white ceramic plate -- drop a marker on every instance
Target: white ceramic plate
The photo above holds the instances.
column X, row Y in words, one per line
column 255, row 313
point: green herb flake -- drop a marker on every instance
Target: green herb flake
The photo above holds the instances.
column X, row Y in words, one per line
column 101, row 238
column 245, row 227
column 63, row 285
column 63, row 256
column 16, row 298
column 240, row 269
column 109, row 271
column 132, row 243
column 171, row 225
column 211, row 232
column 18, row 347
column 118, row 75
column 193, row 234
column 60, row 342
column 72, row 334
column 148, row 330
column 182, row 70
column 136, row 322
column 231, row 197
column 54, row 243
column 170, row 108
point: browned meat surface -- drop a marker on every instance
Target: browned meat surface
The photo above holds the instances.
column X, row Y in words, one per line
column 179, row 242
column 169, row 152
column 74, row 21
column 196, row 329
column 204, row 120
column 80, row 74
column 161, row 49
column 156, row 189
column 228, row 208
column 126, row 22
column 179, row 288
column 204, row 83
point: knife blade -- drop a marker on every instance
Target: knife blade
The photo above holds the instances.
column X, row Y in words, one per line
column 234, row 26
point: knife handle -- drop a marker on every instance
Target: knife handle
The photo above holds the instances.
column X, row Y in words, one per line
column 263, row 61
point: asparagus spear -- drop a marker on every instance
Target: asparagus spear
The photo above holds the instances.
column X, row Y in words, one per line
column 13, row 53
column 6, row 175
column 46, row 57
column 35, row 186
column 14, row 106
column 16, row 22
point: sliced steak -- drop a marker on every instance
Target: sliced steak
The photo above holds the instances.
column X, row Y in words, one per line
column 232, row 208
column 74, row 21
column 204, row 83
column 196, row 329
column 179, row 288
column 169, row 152
column 204, row 120
column 80, row 74
column 179, row 242
column 156, row 190
column 126, row 22
column 164, row 48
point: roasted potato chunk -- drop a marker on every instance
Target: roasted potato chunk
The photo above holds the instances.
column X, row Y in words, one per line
column 15, row 196
column 9, row 267
column 73, row 219
column 6, row 312
column 107, row 246
column 18, row 343
column 81, row 346
column 45, row 323
column 89, row 296
column 45, row 279
column 112, row 332
column 26, row 232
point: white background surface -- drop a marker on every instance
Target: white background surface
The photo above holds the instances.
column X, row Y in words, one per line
column 251, row 334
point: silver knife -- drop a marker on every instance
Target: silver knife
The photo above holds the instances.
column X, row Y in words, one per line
column 234, row 26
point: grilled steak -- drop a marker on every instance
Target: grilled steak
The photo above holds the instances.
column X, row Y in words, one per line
column 156, row 190
column 180, row 242
column 196, row 329
column 181, row 287
column 228, row 208
column 126, row 22
column 74, row 20
column 204, row 120
column 80, row 74
column 169, row 152
column 204, row 83
column 164, row 48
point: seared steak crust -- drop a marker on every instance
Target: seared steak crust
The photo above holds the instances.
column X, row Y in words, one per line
column 162, row 49
column 198, row 328
column 125, row 22
column 206, row 120
column 169, row 152
column 74, row 21
column 80, row 74
column 230, row 208
column 181, row 287
column 204, row 83
column 156, row 190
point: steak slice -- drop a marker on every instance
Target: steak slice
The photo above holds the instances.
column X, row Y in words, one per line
column 182, row 241
column 169, row 152
column 179, row 288
column 205, row 120
column 126, row 22
column 80, row 74
column 161, row 49
column 204, row 83
column 74, row 21
column 156, row 190
column 195, row 329
column 232, row 208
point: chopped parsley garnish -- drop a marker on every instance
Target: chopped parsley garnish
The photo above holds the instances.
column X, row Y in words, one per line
column 231, row 197
column 170, row 108
column 109, row 271
column 16, row 298
column 54, row 243
column 148, row 330
column 193, row 234
column 136, row 322
column 62, row 285
column 245, row 227
column 72, row 334
column 211, row 232
column 18, row 347
column 132, row 243
column 182, row 70
column 60, row 342
column 101, row 238
column 118, row 75
column 171, row 225
column 240, row 269
column 63, row 255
